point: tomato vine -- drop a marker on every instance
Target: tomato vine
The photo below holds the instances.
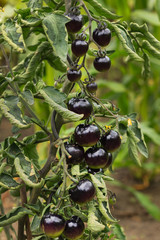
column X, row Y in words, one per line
column 66, row 197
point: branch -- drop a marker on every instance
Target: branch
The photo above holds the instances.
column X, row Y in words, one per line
column 68, row 5
column 25, row 220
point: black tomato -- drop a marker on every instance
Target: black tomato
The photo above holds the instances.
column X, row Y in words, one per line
column 79, row 47
column 75, row 24
column 94, row 171
column 102, row 36
column 76, row 152
column 80, row 106
column 74, row 228
column 110, row 159
column 53, row 225
column 91, row 87
column 96, row 157
column 83, row 192
column 87, row 135
column 102, row 64
column 111, row 141
column 74, row 75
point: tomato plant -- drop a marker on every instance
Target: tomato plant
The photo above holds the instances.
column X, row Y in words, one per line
column 68, row 189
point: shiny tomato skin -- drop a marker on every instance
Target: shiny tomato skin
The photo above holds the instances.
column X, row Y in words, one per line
column 87, row 135
column 80, row 106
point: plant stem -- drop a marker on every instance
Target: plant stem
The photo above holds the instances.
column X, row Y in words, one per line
column 68, row 5
column 25, row 220
column 90, row 23
column 53, row 126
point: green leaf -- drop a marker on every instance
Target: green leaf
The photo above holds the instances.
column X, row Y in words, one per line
column 153, row 51
column 151, row 133
column 40, row 238
column 119, row 232
column 56, row 62
column 35, row 137
column 33, row 63
column 2, row 167
column 7, row 13
column 146, row 68
column 93, row 225
column 79, row 213
column 30, row 152
column 101, row 110
column 54, row 27
column 13, row 216
column 75, row 170
column 50, row 3
column 3, row 84
column 64, row 112
column 55, row 94
column 101, row 10
column 12, row 33
column 25, row 163
column 31, row 21
column 33, row 4
column 126, row 42
column 132, row 146
column 127, row 37
column 28, row 96
column 158, row 7
column 103, row 201
column 96, row 181
column 24, row 12
column 10, row 109
column 35, row 225
column 148, row 36
column 150, row 17
column 7, row 181
column 142, row 147
column 24, row 177
column 34, row 207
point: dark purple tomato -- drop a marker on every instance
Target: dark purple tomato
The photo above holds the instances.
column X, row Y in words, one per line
column 74, row 228
column 79, row 47
column 96, row 157
column 102, row 64
column 110, row 159
column 75, row 24
column 83, row 192
column 76, row 152
column 80, row 106
column 111, row 141
column 53, row 225
column 102, row 36
column 94, row 171
column 74, row 75
column 87, row 135
column 91, row 87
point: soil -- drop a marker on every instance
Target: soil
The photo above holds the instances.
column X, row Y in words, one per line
column 137, row 223
column 135, row 220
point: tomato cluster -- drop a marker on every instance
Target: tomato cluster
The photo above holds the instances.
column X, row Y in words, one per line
column 54, row 225
column 89, row 146
column 101, row 36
